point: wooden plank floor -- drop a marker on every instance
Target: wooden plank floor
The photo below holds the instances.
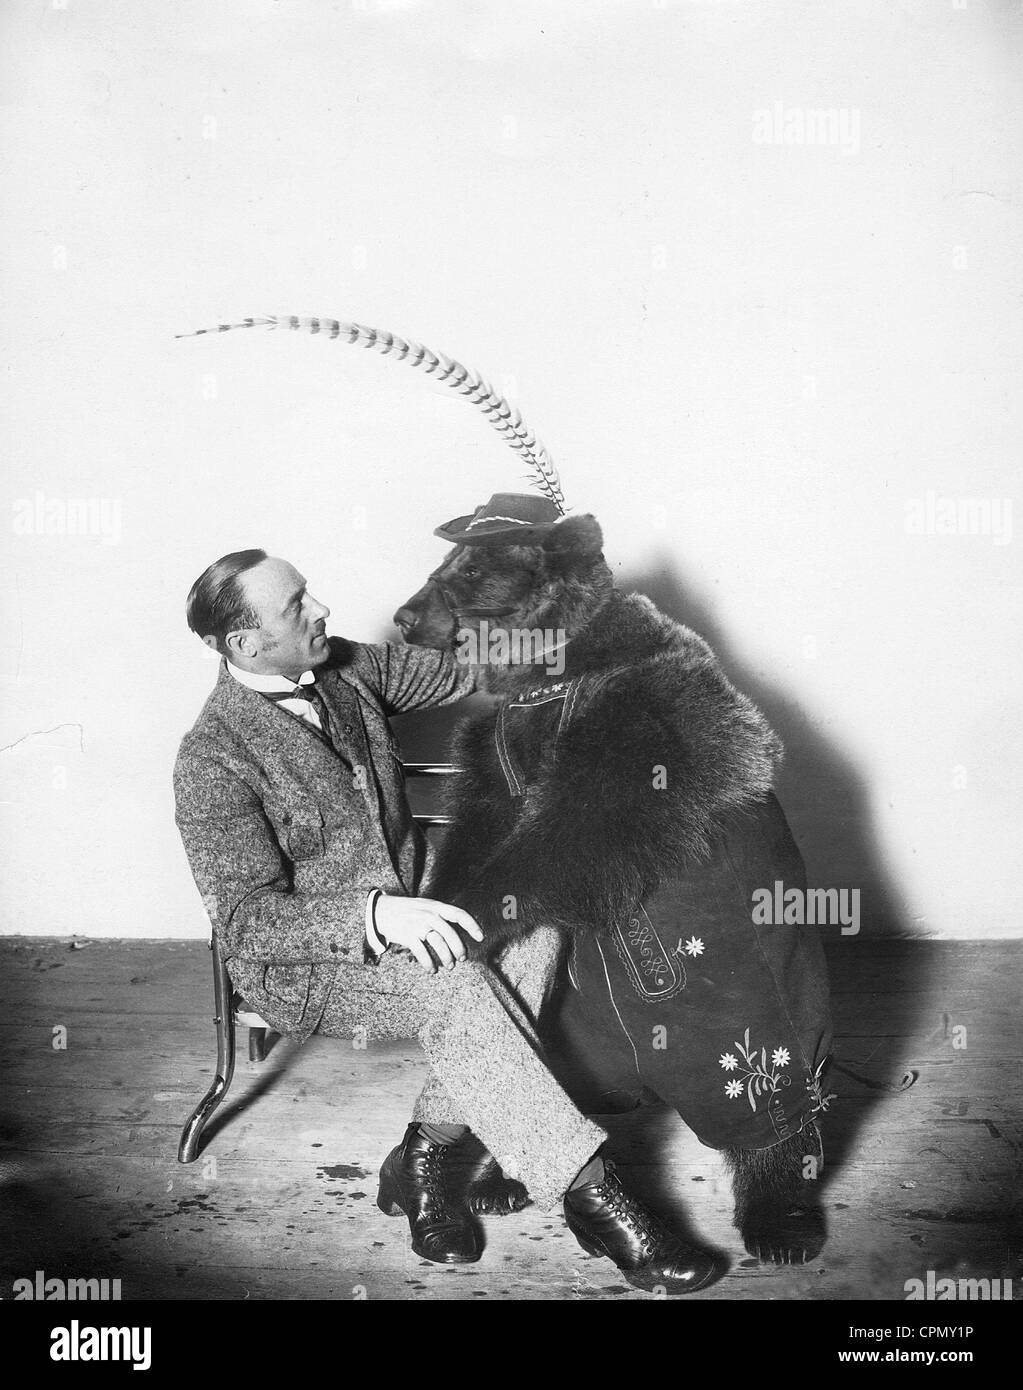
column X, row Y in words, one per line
column 281, row 1205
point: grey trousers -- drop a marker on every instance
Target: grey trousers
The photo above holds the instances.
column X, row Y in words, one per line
column 476, row 1027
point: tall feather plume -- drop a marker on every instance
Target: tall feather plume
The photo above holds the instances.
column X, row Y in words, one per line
column 501, row 414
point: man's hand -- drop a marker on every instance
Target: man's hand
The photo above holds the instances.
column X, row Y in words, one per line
column 422, row 925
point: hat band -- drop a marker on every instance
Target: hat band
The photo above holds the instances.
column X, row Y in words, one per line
column 515, row 520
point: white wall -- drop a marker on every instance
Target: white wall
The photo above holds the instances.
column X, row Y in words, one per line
column 747, row 358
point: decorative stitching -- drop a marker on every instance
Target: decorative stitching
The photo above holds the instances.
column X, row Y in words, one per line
column 614, row 1005
column 755, row 1080
column 515, row 787
column 543, row 695
column 481, row 520
column 532, row 698
column 647, row 961
column 569, row 710
column 815, row 1090
column 571, row 966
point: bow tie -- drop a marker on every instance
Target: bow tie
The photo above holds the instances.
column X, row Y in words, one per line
column 300, row 692
column 315, row 700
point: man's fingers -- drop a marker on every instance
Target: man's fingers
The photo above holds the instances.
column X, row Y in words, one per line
column 461, row 918
column 450, row 935
column 422, row 955
column 440, row 947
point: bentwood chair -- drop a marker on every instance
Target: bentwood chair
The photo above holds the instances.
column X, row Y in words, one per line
column 232, row 1013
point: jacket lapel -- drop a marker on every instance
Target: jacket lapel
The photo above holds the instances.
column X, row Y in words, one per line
column 289, row 754
column 345, row 719
column 265, row 727
column 273, row 737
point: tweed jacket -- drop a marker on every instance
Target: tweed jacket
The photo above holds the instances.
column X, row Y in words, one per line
column 286, row 836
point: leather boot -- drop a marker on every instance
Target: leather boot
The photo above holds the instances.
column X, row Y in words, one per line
column 414, row 1180
column 606, row 1220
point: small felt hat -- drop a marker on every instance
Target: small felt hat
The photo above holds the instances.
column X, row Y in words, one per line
column 509, row 518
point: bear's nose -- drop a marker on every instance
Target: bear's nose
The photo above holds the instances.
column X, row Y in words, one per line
column 406, row 620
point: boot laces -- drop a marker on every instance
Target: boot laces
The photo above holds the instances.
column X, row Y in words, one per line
column 433, row 1173
column 641, row 1222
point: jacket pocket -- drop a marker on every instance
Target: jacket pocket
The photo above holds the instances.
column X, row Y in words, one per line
column 288, row 985
column 303, row 833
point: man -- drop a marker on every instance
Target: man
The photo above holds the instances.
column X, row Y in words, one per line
column 291, row 807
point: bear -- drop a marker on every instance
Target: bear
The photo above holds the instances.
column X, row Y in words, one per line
column 618, row 792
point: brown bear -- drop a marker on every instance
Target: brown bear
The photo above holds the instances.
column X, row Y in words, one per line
column 620, row 792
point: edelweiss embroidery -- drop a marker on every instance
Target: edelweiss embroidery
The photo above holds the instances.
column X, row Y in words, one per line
column 755, row 1078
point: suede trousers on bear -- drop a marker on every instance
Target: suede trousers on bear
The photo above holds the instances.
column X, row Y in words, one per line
column 722, row 1014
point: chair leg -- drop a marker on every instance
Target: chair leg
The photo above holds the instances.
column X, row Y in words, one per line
column 257, row 1044
column 188, row 1147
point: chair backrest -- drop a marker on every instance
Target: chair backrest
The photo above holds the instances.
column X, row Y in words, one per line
column 430, row 817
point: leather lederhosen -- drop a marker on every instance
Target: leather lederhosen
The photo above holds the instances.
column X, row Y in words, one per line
column 724, row 1019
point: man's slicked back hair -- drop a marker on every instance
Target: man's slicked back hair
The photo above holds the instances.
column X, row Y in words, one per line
column 216, row 601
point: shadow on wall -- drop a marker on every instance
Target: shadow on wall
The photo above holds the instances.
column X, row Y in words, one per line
column 824, row 797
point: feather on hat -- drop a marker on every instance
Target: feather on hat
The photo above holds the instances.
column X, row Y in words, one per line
column 501, row 414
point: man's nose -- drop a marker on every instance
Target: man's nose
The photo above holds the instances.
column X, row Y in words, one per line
column 322, row 611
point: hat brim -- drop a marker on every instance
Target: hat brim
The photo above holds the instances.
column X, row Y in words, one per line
column 457, row 532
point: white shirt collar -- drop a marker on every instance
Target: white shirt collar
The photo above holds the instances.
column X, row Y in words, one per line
column 269, row 684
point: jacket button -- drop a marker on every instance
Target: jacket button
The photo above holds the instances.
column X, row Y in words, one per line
column 333, row 947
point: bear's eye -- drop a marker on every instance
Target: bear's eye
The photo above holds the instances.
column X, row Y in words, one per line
column 471, row 572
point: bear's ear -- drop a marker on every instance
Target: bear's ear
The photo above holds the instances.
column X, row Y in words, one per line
column 573, row 546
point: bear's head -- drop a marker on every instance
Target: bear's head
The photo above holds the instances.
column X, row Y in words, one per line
column 554, row 586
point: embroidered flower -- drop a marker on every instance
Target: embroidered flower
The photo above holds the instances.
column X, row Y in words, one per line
column 758, row 1080
column 694, row 946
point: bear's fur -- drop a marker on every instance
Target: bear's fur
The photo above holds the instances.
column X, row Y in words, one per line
column 660, row 754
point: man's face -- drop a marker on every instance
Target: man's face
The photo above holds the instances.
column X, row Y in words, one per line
column 291, row 637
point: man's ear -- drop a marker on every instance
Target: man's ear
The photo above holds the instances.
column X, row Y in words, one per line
column 240, row 644
column 573, row 547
